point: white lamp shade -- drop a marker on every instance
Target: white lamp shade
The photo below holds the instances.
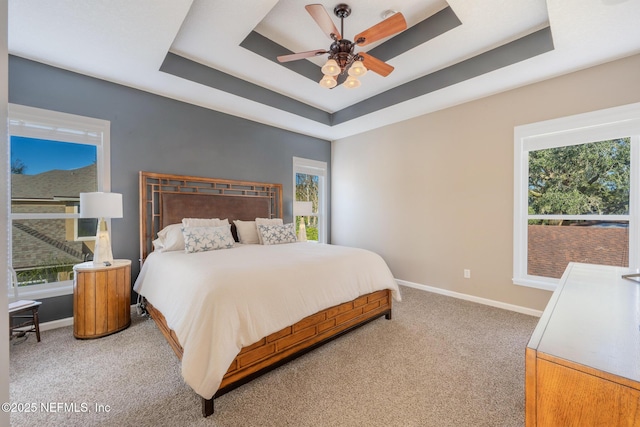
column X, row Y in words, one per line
column 100, row 205
column 328, row 81
column 351, row 82
column 303, row 208
column 357, row 69
column 331, row 68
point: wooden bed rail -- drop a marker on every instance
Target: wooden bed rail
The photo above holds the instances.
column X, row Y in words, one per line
column 290, row 342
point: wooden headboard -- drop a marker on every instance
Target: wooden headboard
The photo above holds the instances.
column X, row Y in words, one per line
column 165, row 199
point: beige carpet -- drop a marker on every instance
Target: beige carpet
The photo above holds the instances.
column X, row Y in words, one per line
column 439, row 362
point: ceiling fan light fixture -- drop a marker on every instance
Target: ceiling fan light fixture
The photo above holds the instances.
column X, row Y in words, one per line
column 357, row 69
column 351, row 82
column 331, row 68
column 328, row 81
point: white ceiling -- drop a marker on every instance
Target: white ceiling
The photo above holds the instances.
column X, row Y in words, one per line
column 126, row 41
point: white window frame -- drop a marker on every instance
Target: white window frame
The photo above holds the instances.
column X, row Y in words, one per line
column 38, row 123
column 318, row 168
column 612, row 123
column 76, row 237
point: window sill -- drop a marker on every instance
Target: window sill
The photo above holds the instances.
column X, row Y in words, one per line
column 547, row 285
column 48, row 291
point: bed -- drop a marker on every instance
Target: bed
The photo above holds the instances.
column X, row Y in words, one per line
column 269, row 303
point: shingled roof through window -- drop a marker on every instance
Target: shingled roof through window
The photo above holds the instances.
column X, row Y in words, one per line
column 54, row 183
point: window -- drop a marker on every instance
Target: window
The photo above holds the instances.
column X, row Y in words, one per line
column 576, row 194
column 309, row 185
column 54, row 157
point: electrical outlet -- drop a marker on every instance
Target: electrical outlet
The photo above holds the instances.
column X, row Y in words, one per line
column 467, row 273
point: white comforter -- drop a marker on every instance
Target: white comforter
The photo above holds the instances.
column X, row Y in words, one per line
column 220, row 301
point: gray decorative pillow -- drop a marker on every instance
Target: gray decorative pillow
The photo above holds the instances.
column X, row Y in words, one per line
column 277, row 234
column 202, row 239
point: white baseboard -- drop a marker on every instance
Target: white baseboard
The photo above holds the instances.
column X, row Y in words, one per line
column 54, row 324
column 466, row 297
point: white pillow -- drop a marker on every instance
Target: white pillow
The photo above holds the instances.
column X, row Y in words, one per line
column 157, row 245
column 204, row 222
column 277, row 234
column 203, row 239
column 170, row 238
column 267, row 221
column 247, row 232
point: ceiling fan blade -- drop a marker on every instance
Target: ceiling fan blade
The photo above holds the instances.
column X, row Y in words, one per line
column 322, row 18
column 374, row 64
column 301, row 55
column 392, row 25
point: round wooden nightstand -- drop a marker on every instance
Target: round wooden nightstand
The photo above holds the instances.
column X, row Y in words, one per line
column 101, row 298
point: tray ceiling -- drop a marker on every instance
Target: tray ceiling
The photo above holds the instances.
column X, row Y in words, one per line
column 221, row 54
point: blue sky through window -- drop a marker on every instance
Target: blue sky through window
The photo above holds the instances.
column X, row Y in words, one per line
column 41, row 155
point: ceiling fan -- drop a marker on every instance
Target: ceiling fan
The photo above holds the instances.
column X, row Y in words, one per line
column 342, row 60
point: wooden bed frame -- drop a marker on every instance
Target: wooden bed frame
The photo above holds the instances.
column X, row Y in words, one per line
column 166, row 199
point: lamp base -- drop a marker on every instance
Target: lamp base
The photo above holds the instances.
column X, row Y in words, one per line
column 302, row 232
column 102, row 254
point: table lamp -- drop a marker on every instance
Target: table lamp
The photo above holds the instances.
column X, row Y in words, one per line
column 101, row 205
column 302, row 209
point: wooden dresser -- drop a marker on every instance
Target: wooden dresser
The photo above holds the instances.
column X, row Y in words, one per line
column 583, row 359
column 101, row 299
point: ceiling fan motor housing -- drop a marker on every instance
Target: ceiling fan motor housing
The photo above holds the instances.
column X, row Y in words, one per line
column 341, row 46
column 342, row 52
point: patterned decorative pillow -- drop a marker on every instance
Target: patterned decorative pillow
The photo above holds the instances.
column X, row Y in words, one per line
column 266, row 221
column 277, row 234
column 202, row 239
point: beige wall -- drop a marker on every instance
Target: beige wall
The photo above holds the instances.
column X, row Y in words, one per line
column 434, row 195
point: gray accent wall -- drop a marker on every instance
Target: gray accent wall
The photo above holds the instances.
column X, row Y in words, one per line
column 157, row 134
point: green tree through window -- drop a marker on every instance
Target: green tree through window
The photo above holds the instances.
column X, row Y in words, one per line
column 590, row 178
column 307, row 190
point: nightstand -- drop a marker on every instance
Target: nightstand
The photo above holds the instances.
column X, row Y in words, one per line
column 101, row 298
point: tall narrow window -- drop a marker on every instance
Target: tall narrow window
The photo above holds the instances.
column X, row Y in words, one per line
column 309, row 178
column 54, row 157
column 576, row 194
